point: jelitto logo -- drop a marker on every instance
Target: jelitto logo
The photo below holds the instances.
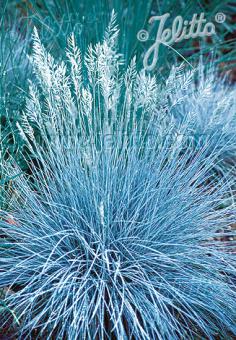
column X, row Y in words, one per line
column 181, row 30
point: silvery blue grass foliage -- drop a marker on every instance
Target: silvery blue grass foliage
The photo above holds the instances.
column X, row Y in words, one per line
column 207, row 109
column 116, row 231
column 125, row 248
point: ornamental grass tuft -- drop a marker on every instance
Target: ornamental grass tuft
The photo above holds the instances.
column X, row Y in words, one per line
column 117, row 226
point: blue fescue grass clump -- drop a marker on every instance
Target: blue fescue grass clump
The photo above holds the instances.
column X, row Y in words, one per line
column 124, row 248
column 116, row 229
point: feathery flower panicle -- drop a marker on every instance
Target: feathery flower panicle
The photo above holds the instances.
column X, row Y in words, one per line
column 116, row 227
column 94, row 95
